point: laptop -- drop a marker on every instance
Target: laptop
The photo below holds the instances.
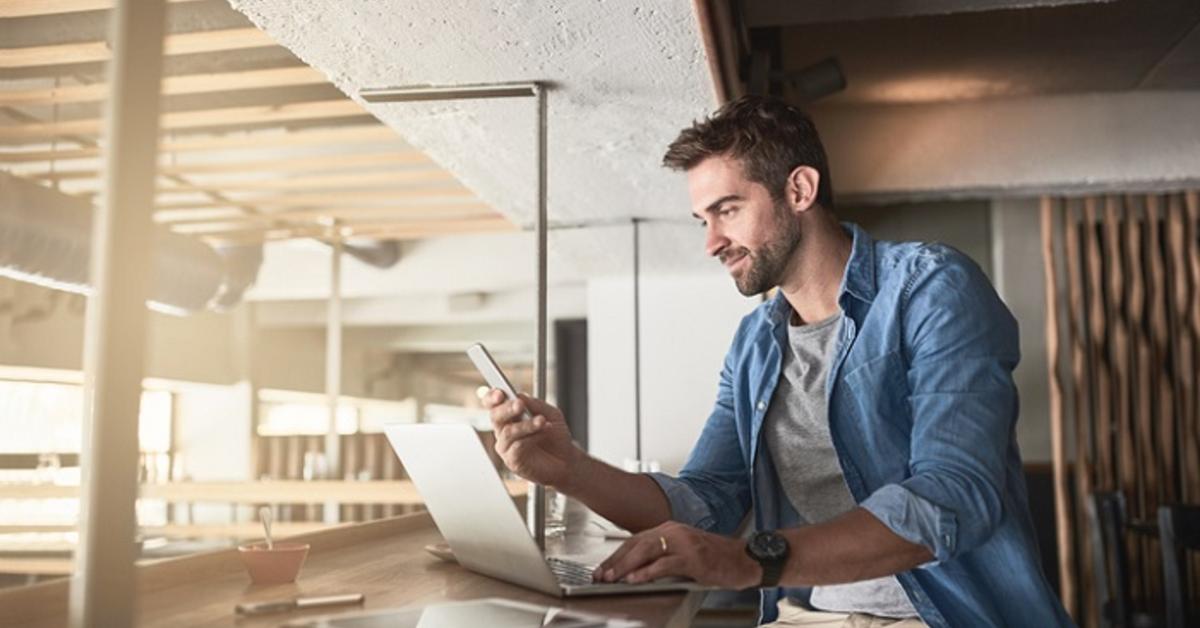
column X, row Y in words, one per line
column 490, row 612
column 480, row 521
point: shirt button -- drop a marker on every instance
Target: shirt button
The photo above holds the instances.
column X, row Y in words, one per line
column 762, row 405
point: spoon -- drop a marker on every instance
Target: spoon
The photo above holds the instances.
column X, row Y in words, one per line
column 264, row 513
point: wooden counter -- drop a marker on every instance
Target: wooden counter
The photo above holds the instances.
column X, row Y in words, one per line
column 383, row 559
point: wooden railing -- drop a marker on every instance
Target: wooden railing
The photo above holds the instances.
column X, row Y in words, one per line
column 52, row 559
column 399, row 492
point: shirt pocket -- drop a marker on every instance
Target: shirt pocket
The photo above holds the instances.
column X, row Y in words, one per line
column 877, row 391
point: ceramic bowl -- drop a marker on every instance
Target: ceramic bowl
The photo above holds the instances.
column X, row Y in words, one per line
column 278, row 565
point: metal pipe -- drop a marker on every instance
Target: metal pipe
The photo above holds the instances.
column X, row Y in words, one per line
column 421, row 93
column 104, row 588
column 539, row 358
column 424, row 93
column 637, row 347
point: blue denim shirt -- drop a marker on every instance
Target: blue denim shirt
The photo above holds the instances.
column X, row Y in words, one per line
column 922, row 413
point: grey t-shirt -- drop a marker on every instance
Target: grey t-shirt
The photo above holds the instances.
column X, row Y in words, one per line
column 797, row 433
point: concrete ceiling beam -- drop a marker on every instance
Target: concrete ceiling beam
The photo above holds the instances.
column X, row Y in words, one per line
column 1094, row 143
column 510, row 307
column 763, row 13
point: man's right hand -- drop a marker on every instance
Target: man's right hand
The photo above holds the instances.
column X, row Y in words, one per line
column 539, row 449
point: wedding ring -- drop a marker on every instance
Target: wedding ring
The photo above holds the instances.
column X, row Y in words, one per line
column 662, row 540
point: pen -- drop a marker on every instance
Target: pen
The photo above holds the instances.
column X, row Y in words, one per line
column 282, row 606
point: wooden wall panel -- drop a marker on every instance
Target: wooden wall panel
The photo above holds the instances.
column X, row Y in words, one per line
column 1132, row 319
column 1081, row 397
column 1062, row 506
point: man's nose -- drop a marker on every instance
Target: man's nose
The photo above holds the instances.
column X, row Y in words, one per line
column 714, row 241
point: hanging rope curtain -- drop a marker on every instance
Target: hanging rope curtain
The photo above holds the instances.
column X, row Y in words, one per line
column 1123, row 335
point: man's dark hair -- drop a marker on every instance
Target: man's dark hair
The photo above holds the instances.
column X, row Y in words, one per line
column 769, row 137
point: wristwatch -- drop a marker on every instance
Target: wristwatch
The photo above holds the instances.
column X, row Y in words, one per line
column 770, row 550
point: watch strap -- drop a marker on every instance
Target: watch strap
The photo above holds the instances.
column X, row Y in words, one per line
column 772, row 566
column 771, row 572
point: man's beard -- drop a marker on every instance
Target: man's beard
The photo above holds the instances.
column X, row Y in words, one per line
column 767, row 265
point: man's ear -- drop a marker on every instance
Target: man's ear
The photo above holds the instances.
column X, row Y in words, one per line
column 801, row 189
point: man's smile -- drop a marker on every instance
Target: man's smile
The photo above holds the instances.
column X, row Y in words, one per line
column 734, row 258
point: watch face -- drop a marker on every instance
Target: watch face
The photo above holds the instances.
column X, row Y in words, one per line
column 768, row 545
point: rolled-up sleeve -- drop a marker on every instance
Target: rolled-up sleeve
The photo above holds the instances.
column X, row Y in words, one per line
column 712, row 491
column 961, row 346
column 686, row 506
column 915, row 519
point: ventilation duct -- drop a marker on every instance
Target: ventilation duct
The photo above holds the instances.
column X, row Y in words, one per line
column 377, row 253
column 46, row 238
column 241, row 270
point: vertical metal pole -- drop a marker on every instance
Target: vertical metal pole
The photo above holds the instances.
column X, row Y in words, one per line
column 536, row 509
column 539, row 359
column 637, row 347
column 333, row 366
column 104, row 588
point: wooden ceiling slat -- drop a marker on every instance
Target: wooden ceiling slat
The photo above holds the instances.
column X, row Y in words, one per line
column 319, row 162
column 376, row 199
column 171, row 86
column 93, row 51
column 194, row 216
column 381, row 231
column 283, row 165
column 170, row 216
column 261, row 222
column 229, row 116
column 407, row 195
column 399, row 179
column 30, row 8
column 367, row 133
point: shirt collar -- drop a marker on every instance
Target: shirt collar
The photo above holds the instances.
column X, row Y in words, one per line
column 858, row 280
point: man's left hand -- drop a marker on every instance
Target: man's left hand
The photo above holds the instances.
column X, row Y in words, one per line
column 675, row 549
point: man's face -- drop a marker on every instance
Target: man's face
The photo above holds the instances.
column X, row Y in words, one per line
column 751, row 234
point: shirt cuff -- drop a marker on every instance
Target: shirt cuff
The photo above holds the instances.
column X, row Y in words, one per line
column 686, row 506
column 915, row 519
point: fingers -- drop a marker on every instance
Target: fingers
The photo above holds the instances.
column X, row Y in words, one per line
column 663, row 567
column 638, row 552
column 510, row 428
column 504, row 412
column 493, row 397
column 523, row 429
column 604, row 571
column 537, row 406
column 517, row 432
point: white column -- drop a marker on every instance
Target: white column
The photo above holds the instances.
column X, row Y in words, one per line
column 103, row 591
column 333, row 365
column 1017, row 275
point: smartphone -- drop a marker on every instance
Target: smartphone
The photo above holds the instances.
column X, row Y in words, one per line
column 491, row 372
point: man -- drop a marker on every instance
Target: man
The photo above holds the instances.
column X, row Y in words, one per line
column 865, row 414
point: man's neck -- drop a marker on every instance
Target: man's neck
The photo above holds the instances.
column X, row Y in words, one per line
column 815, row 273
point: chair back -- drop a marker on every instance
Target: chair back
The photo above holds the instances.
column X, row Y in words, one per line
column 1179, row 531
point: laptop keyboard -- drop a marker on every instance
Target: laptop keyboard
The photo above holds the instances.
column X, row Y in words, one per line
column 570, row 572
